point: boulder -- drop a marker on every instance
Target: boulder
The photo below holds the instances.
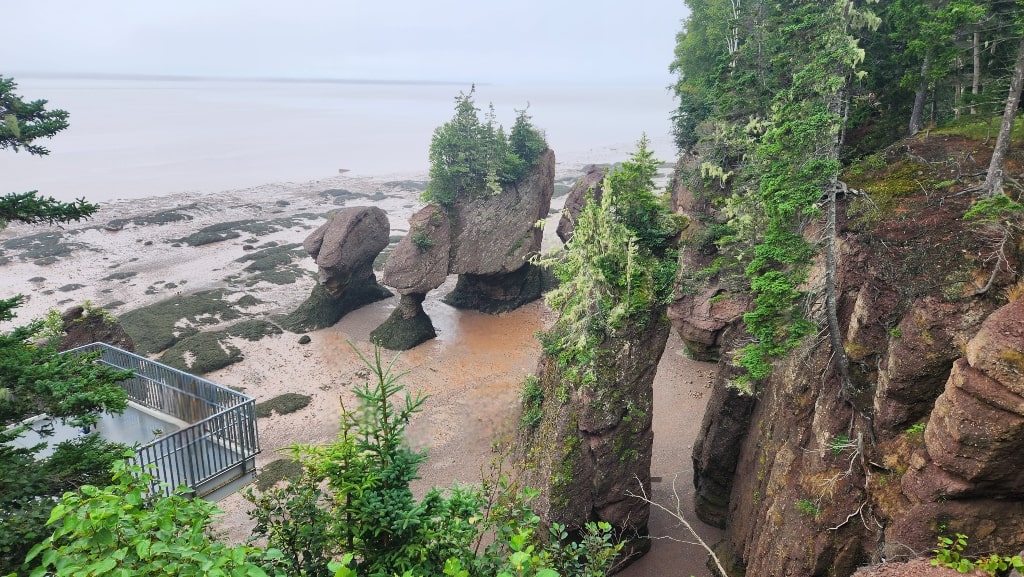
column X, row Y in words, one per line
column 702, row 319
column 587, row 188
column 419, row 263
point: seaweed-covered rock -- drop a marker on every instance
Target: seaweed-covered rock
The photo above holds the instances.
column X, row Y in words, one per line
column 344, row 249
column 589, row 187
column 407, row 326
column 321, row 309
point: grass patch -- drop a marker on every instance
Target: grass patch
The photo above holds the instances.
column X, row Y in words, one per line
column 162, row 324
column 253, row 329
column 161, row 217
column 276, row 471
column 980, row 127
column 201, row 353
column 120, row 275
column 283, row 404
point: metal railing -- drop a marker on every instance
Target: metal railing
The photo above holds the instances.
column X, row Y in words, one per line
column 220, row 443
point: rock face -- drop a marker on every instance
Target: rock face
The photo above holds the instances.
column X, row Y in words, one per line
column 344, row 248
column 702, row 313
column 82, row 328
column 419, row 262
column 485, row 238
column 812, row 480
column 588, row 187
column 593, row 445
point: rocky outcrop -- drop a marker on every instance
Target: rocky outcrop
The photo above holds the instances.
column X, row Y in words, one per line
column 592, row 445
column 344, row 249
column 970, row 473
column 486, row 239
column 706, row 307
column 83, row 326
column 587, row 188
column 929, row 439
column 496, row 234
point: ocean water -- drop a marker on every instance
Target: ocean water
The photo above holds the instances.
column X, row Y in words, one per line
column 135, row 138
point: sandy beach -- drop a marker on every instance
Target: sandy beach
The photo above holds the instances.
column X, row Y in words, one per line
column 134, row 253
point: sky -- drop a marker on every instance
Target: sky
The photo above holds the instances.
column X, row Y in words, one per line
column 521, row 41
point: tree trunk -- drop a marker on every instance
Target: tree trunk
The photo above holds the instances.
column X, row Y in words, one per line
column 994, row 180
column 976, row 76
column 917, row 113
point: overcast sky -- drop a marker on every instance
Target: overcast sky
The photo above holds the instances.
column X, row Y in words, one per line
column 436, row 40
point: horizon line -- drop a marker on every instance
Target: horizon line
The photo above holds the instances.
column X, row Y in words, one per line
column 199, row 77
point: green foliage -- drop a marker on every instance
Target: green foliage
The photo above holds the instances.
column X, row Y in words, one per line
column 352, row 512
column 470, row 157
column 421, row 239
column 807, row 507
column 23, row 124
column 994, row 209
column 533, row 399
column 949, row 553
column 619, row 265
column 123, row 529
column 915, row 432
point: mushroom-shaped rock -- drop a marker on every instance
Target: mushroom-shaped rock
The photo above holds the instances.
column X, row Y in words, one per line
column 493, row 237
column 344, row 248
column 586, row 188
column 419, row 263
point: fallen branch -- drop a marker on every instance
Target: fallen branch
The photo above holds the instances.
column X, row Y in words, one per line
column 678, row 515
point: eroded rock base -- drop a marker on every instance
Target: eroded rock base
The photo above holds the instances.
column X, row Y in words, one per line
column 499, row 293
column 322, row 310
column 407, row 326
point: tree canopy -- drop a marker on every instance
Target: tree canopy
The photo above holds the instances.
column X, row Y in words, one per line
column 469, row 157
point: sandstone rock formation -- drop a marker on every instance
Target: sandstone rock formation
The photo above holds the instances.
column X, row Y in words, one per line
column 485, row 238
column 587, row 188
column 929, row 439
column 344, row 248
column 593, row 445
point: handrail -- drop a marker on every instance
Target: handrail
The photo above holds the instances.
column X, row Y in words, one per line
column 222, row 432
